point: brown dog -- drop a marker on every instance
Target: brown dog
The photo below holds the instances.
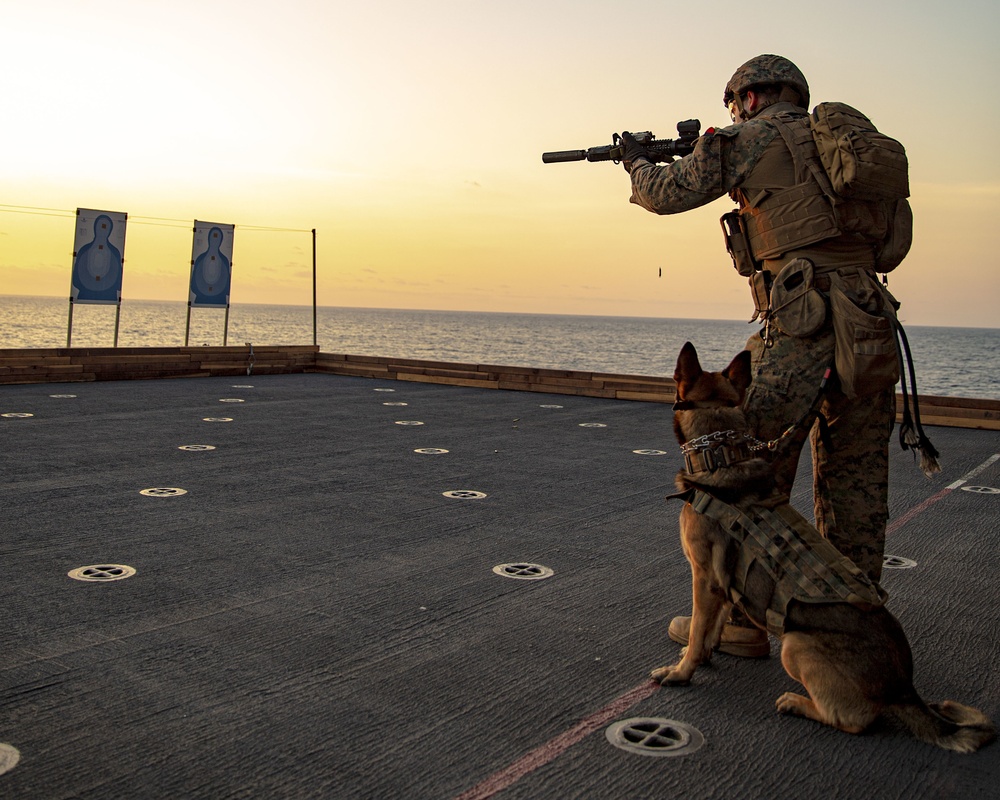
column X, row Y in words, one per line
column 847, row 650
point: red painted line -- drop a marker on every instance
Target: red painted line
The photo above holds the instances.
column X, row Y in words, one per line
column 545, row 753
column 917, row 509
column 921, row 507
column 556, row 746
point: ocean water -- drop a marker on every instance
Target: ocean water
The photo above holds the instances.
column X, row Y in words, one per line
column 959, row 362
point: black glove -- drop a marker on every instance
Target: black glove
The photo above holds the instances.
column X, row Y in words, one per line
column 632, row 151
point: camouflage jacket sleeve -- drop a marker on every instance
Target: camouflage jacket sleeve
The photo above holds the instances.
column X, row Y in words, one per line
column 720, row 162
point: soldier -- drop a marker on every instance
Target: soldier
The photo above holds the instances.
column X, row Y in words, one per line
column 795, row 244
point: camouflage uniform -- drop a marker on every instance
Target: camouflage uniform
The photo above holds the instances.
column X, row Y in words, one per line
column 851, row 474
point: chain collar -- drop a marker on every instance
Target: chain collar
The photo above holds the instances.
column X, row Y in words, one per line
column 721, row 449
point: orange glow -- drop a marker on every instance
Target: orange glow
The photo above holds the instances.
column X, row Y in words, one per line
column 410, row 136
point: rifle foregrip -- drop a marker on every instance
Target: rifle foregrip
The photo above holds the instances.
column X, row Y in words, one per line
column 564, row 155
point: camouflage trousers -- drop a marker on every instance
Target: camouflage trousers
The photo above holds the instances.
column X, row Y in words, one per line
column 850, row 468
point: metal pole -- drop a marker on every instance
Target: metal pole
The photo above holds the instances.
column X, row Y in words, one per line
column 225, row 335
column 187, row 330
column 118, row 316
column 315, row 336
column 69, row 328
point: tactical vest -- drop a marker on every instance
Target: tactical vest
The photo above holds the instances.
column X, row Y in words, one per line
column 792, row 206
column 799, row 562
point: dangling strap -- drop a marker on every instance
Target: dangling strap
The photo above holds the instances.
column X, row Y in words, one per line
column 911, row 432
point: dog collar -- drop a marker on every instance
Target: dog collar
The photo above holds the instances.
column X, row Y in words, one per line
column 714, row 451
column 687, row 405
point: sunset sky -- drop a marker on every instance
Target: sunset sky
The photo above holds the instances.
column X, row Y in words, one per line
column 409, row 135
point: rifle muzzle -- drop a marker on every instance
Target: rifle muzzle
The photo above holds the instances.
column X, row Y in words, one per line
column 564, row 155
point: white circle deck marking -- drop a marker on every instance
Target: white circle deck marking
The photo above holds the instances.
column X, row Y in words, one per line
column 431, row 451
column 231, row 400
column 650, row 452
column 981, row 489
column 16, row 415
column 464, row 494
column 9, row 756
column 654, row 736
column 385, row 390
column 217, row 419
column 408, row 422
column 395, row 404
column 196, row 447
column 242, row 386
column 102, row 573
column 163, row 491
column 592, row 425
column 62, row 396
column 550, row 405
column 897, row 562
column 524, row 572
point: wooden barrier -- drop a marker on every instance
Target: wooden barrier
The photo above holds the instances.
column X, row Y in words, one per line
column 58, row 365
column 953, row 412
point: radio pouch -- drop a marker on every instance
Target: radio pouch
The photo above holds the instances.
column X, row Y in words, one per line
column 737, row 243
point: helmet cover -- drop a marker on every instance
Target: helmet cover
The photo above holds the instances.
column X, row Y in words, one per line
column 767, row 70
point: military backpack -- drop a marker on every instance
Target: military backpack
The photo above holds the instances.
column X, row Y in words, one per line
column 861, row 162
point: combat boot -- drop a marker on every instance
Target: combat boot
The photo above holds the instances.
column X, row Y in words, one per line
column 736, row 640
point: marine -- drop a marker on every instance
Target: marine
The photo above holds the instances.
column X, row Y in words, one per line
column 811, row 257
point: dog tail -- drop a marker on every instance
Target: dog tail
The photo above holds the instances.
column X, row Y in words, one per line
column 950, row 725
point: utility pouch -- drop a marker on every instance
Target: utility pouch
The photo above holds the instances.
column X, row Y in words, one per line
column 760, row 289
column 738, row 244
column 797, row 307
column 865, row 349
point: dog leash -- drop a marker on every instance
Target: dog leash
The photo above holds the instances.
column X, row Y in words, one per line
column 730, row 444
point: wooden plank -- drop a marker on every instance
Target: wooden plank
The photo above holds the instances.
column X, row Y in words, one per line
column 132, row 359
column 535, row 372
column 648, row 397
column 548, row 388
column 37, row 353
column 43, row 369
column 147, row 375
column 16, row 380
column 360, row 370
column 928, row 401
column 958, row 422
column 640, row 386
column 442, row 379
column 231, row 368
column 579, row 383
column 282, row 348
column 471, row 375
column 623, row 378
column 34, row 362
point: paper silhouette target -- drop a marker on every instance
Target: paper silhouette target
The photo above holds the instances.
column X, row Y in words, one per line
column 211, row 264
column 98, row 256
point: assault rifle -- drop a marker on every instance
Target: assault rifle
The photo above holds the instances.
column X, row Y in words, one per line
column 659, row 149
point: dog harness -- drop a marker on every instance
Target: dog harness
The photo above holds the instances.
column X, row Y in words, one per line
column 800, row 564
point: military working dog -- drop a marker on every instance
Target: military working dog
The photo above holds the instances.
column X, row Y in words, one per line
column 747, row 546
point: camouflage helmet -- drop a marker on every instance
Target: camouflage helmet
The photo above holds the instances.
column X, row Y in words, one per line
column 767, row 70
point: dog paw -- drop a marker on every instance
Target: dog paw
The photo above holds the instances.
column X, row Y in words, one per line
column 670, row 676
column 789, row 703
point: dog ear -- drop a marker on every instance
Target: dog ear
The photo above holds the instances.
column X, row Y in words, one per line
column 688, row 367
column 739, row 373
